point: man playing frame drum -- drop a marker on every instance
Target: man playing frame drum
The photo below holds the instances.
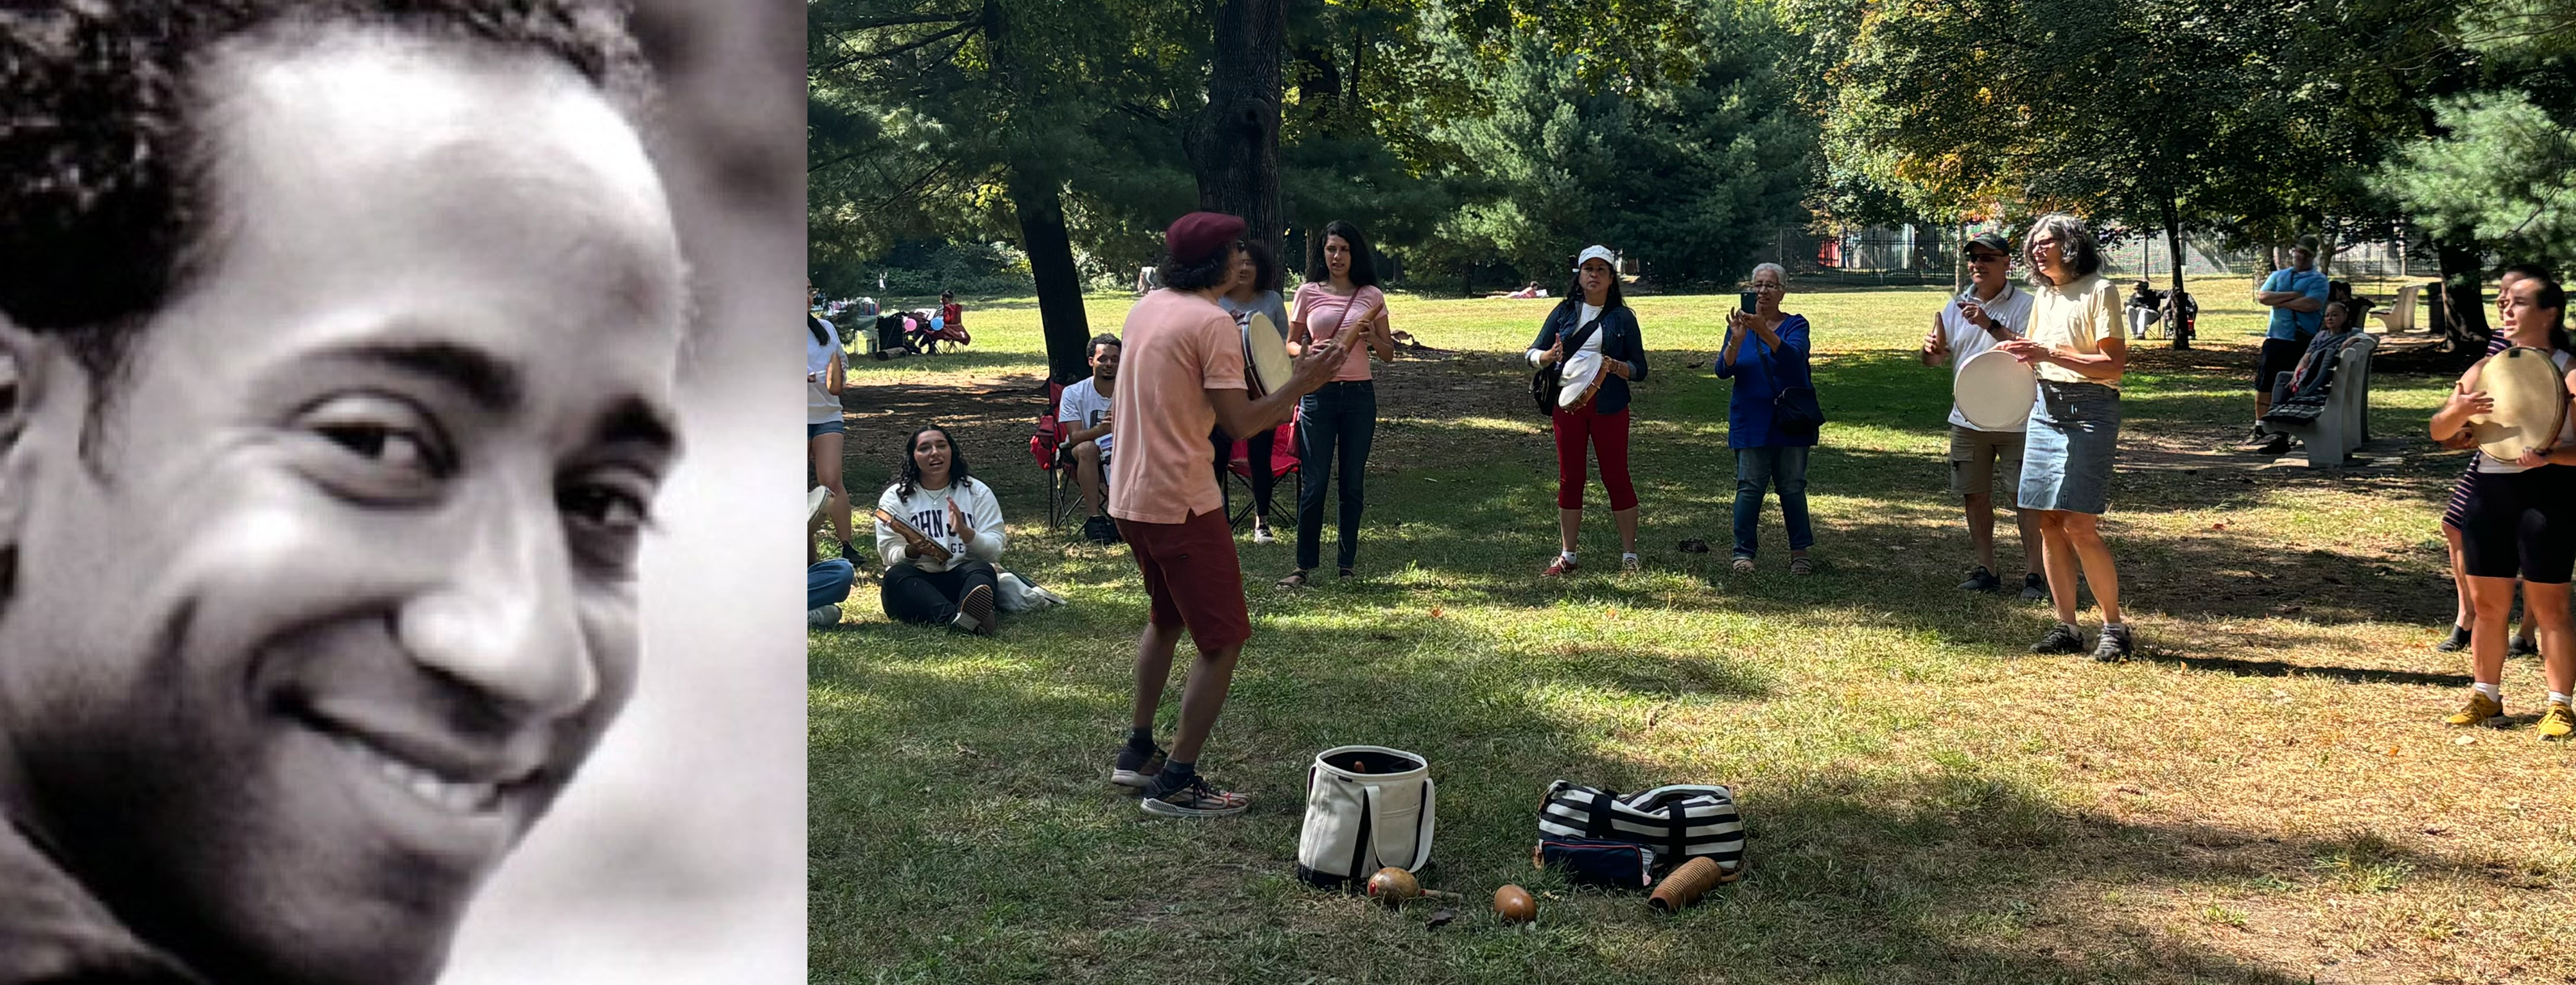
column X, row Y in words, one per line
column 2520, row 515
column 1994, row 394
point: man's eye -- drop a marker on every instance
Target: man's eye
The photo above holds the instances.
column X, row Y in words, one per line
column 388, row 438
column 605, row 505
column 389, row 447
column 605, row 521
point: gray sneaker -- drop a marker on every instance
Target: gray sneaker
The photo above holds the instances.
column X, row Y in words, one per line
column 1981, row 580
column 1193, row 797
column 823, row 616
column 2033, row 587
column 2114, row 645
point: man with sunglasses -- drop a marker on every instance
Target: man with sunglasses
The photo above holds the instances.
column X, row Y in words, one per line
column 1990, row 311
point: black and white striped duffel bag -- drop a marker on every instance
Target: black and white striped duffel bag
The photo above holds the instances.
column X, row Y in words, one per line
column 1679, row 822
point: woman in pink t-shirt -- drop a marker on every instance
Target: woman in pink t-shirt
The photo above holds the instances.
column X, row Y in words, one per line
column 1337, row 423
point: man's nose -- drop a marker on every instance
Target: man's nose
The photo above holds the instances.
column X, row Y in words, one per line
column 504, row 620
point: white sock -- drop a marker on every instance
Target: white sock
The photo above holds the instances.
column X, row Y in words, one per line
column 2494, row 692
column 2557, row 697
column 1629, row 556
column 1569, row 556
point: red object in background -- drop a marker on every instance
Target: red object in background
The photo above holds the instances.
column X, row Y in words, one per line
column 1829, row 252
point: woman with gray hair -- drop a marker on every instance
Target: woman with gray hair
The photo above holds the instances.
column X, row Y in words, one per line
column 1766, row 356
column 2075, row 343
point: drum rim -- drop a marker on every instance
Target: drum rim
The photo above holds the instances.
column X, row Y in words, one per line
column 1252, row 365
column 2558, row 406
column 1591, row 387
column 1962, row 405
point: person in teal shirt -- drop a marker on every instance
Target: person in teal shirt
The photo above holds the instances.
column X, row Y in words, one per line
column 2297, row 297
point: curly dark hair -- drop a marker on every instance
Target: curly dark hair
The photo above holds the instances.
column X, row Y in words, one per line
column 1363, row 259
column 1214, row 271
column 909, row 476
column 103, row 156
column 1266, row 275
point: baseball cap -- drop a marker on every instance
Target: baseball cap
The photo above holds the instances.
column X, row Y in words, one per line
column 1596, row 252
column 1991, row 241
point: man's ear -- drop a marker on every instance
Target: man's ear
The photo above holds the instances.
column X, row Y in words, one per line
column 24, row 360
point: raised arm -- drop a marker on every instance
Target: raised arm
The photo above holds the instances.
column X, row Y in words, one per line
column 987, row 543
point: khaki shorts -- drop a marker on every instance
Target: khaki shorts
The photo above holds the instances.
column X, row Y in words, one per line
column 1974, row 455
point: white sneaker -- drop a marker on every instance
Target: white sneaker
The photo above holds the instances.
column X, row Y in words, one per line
column 1261, row 535
column 823, row 616
column 814, row 501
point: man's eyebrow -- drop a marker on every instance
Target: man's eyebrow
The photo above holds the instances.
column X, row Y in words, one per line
column 635, row 421
column 484, row 378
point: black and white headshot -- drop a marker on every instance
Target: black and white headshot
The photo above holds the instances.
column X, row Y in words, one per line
column 344, row 360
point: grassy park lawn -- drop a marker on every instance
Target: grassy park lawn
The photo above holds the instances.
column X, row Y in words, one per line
column 2267, row 796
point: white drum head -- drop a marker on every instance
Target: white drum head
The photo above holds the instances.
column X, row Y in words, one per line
column 1266, row 367
column 2530, row 403
column 1995, row 391
column 1582, row 376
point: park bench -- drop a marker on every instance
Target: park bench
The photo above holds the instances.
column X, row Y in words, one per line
column 2345, row 423
column 2400, row 316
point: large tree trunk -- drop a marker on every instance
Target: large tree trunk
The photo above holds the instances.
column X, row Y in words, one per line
column 2180, row 330
column 2463, row 321
column 1040, row 205
column 1234, row 142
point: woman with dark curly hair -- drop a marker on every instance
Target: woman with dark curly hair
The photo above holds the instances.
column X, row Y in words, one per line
column 955, row 515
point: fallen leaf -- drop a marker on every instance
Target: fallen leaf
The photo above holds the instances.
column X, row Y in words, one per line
column 2392, row 750
column 2464, row 740
column 1442, row 916
column 2437, row 832
column 1435, row 612
column 2218, row 526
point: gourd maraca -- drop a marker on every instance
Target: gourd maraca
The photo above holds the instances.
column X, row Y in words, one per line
column 1395, row 887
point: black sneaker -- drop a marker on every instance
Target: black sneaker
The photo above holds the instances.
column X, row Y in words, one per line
column 1100, row 530
column 2522, row 647
column 2278, row 445
column 2259, row 436
column 1137, row 769
column 2033, row 587
column 2061, row 638
column 1191, row 796
column 2114, row 645
column 975, row 612
column 2454, row 643
column 1981, row 580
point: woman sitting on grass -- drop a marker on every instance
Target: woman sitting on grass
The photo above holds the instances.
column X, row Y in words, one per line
column 2519, row 519
column 949, row 510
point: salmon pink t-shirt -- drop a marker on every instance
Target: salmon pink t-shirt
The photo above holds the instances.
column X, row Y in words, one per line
column 1177, row 346
column 1327, row 314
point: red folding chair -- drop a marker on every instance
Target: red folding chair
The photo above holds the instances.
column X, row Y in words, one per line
column 1048, row 446
column 1282, row 464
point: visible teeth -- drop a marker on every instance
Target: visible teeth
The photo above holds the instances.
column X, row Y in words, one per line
column 458, row 796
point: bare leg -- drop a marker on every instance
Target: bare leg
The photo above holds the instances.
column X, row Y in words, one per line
column 2059, row 559
column 1086, row 473
column 2547, row 605
column 1153, row 671
column 1568, row 523
column 2459, row 578
column 2084, row 532
column 2028, row 521
column 827, row 474
column 2490, row 601
column 1627, row 520
column 1981, row 528
column 1201, row 699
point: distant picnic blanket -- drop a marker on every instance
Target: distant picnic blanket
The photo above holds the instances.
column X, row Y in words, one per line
column 2313, row 380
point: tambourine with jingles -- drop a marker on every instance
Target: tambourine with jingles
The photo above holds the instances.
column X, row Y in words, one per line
column 2530, row 394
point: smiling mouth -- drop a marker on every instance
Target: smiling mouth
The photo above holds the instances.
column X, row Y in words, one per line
column 446, row 793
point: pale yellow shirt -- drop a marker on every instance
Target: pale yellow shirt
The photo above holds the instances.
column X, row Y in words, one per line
column 2078, row 316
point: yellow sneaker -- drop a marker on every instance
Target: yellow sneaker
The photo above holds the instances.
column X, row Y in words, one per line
column 2481, row 710
column 2558, row 722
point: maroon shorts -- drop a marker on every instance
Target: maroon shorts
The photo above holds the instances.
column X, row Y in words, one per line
column 1193, row 577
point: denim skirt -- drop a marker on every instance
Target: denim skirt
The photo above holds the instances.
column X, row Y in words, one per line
column 2066, row 457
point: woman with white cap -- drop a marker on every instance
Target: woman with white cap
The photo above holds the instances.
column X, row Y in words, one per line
column 1594, row 318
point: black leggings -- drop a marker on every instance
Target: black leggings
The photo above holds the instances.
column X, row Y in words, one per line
column 2521, row 523
column 1257, row 453
column 930, row 597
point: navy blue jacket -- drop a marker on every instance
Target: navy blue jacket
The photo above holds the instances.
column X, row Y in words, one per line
column 1748, row 409
column 1619, row 340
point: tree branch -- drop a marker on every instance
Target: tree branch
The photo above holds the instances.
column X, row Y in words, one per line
column 899, row 20
column 891, row 52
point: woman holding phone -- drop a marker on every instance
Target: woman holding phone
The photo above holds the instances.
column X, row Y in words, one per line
column 1337, row 423
column 825, row 375
column 1593, row 318
column 1766, row 355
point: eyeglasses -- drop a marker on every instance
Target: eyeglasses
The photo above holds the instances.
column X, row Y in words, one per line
column 1986, row 258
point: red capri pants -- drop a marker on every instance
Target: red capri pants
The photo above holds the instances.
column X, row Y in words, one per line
column 1608, row 434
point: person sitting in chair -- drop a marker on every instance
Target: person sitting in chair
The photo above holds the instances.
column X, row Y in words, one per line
column 939, row 572
column 1084, row 407
column 2145, row 309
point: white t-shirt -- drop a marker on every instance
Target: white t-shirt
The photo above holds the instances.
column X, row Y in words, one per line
column 1082, row 406
column 821, row 407
column 2012, row 308
column 2566, row 431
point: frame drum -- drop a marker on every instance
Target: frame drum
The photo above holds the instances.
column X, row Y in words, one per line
column 1580, row 381
column 2530, row 403
column 929, row 548
column 1266, row 367
column 1995, row 391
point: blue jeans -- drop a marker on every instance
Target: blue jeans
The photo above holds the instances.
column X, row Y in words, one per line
column 1784, row 468
column 827, row 582
column 1340, row 417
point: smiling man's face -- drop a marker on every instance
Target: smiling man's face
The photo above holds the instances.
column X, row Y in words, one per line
column 341, row 591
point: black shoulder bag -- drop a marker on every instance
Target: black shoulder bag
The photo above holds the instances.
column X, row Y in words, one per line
column 1794, row 409
column 1548, row 380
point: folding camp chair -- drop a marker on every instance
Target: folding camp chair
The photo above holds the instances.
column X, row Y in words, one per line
column 1282, row 464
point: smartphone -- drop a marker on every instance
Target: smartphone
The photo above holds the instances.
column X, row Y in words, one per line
column 1747, row 301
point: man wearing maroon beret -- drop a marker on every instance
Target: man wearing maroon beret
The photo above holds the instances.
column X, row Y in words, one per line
column 1180, row 377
